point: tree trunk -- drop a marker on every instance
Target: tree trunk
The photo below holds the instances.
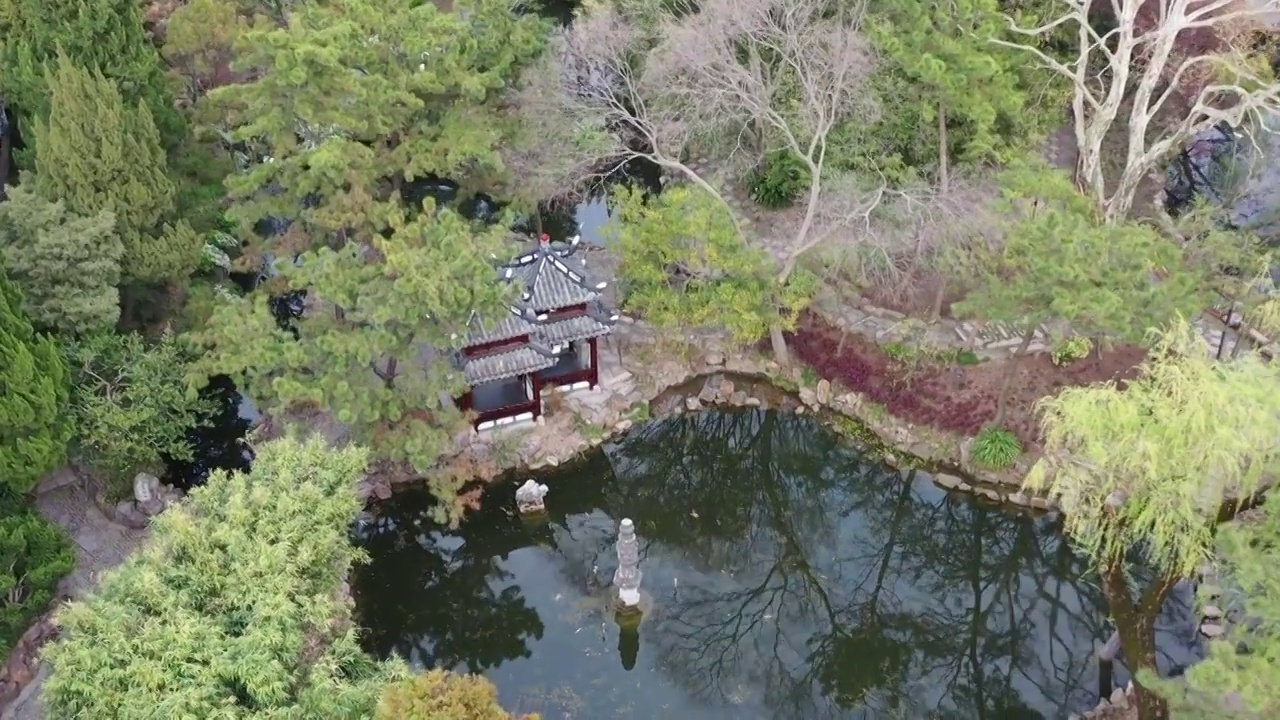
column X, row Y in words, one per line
column 1240, row 334
column 936, row 313
column 780, row 353
column 1135, row 623
column 1011, row 370
column 6, row 144
column 943, row 175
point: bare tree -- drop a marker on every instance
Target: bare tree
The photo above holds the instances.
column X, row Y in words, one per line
column 728, row 78
column 778, row 71
column 1167, row 71
column 585, row 110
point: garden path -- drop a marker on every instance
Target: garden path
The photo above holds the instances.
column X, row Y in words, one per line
column 99, row 544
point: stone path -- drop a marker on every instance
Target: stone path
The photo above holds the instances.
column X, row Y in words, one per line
column 99, row 544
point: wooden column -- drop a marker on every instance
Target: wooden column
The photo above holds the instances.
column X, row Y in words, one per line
column 595, row 361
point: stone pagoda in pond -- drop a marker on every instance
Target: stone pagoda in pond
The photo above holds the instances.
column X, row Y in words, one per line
column 547, row 340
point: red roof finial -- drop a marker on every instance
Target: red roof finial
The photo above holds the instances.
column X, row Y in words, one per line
column 544, row 239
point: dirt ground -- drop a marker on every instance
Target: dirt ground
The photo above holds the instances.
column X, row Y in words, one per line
column 957, row 398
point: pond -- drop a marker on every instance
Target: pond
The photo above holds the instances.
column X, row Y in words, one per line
column 789, row 578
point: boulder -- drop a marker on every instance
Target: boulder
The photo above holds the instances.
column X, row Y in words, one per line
column 950, row 482
column 823, row 393
column 714, row 358
column 146, row 488
column 128, row 514
column 693, row 404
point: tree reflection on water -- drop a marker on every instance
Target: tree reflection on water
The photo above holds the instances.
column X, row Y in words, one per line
column 790, row 578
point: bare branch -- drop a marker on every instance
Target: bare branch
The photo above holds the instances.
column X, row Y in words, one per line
column 1160, row 50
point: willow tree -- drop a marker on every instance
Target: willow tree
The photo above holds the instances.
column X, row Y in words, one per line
column 1142, row 473
column 1236, row 683
column 372, row 347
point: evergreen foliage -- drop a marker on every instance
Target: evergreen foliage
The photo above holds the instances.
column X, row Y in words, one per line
column 66, row 266
column 441, row 695
column 103, row 35
column 34, row 555
column 1239, row 679
column 131, row 406
column 1057, row 260
column 96, row 154
column 232, row 609
column 372, row 347
column 1143, row 472
column 34, row 393
column 935, row 55
column 683, row 264
column 342, row 142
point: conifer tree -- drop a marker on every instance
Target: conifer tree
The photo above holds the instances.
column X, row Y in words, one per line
column 106, row 35
column 372, row 349
column 96, row 154
column 66, row 266
column 684, row 264
column 347, row 121
column 942, row 51
column 34, row 393
column 1058, row 261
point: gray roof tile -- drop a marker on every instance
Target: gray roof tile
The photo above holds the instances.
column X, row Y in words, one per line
column 553, row 276
column 503, row 365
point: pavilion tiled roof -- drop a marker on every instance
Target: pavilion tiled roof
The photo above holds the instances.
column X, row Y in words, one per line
column 551, row 276
column 507, row 364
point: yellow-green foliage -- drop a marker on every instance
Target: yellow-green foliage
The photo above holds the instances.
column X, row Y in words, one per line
column 441, row 695
column 1247, row 557
column 1177, row 441
column 684, row 264
column 1076, row 347
column 231, row 609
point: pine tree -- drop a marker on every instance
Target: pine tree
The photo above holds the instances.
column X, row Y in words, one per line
column 1057, row 261
column 34, row 393
column 372, row 349
column 684, row 264
column 96, row 154
column 104, row 35
column 937, row 53
column 343, row 141
column 66, row 266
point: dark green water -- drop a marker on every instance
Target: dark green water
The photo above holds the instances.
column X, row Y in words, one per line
column 790, row 579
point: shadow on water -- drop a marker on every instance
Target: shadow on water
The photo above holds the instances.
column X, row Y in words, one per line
column 790, row 579
column 218, row 442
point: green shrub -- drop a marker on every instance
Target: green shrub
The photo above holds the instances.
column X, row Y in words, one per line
column 996, row 448
column 779, row 180
column 1072, row 349
column 34, row 555
column 899, row 351
column 230, row 609
column 441, row 695
column 967, row 357
column 131, row 406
